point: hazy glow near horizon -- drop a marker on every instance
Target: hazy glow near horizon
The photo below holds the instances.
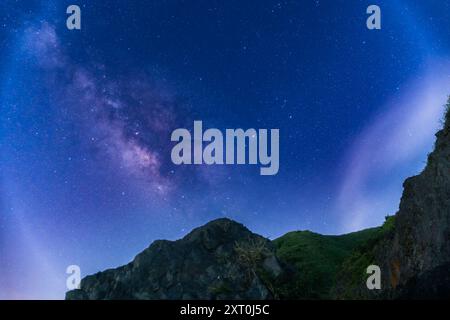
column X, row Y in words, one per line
column 396, row 143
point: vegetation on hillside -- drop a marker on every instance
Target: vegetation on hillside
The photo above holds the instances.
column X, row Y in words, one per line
column 317, row 259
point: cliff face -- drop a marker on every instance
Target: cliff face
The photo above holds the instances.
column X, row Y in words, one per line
column 414, row 257
column 221, row 260
column 420, row 246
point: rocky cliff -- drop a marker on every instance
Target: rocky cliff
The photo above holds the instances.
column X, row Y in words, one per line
column 414, row 256
column 220, row 260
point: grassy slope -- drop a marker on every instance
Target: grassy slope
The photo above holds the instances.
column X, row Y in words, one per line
column 317, row 259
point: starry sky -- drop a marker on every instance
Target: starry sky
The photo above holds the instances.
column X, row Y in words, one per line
column 86, row 117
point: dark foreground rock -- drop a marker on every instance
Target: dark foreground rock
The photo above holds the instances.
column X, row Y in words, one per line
column 220, row 260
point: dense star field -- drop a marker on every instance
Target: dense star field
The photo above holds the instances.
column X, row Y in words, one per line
column 86, row 116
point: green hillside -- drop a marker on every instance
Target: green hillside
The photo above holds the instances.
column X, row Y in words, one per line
column 318, row 258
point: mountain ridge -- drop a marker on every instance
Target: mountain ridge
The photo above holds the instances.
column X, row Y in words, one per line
column 226, row 260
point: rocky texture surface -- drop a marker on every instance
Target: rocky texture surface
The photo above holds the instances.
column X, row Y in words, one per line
column 220, row 260
column 414, row 256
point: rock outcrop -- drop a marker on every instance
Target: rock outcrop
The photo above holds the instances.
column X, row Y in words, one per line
column 421, row 241
column 414, row 257
column 220, row 260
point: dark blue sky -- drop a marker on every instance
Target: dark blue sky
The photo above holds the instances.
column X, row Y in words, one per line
column 86, row 118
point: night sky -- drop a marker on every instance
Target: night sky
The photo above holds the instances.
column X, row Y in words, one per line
column 86, row 117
